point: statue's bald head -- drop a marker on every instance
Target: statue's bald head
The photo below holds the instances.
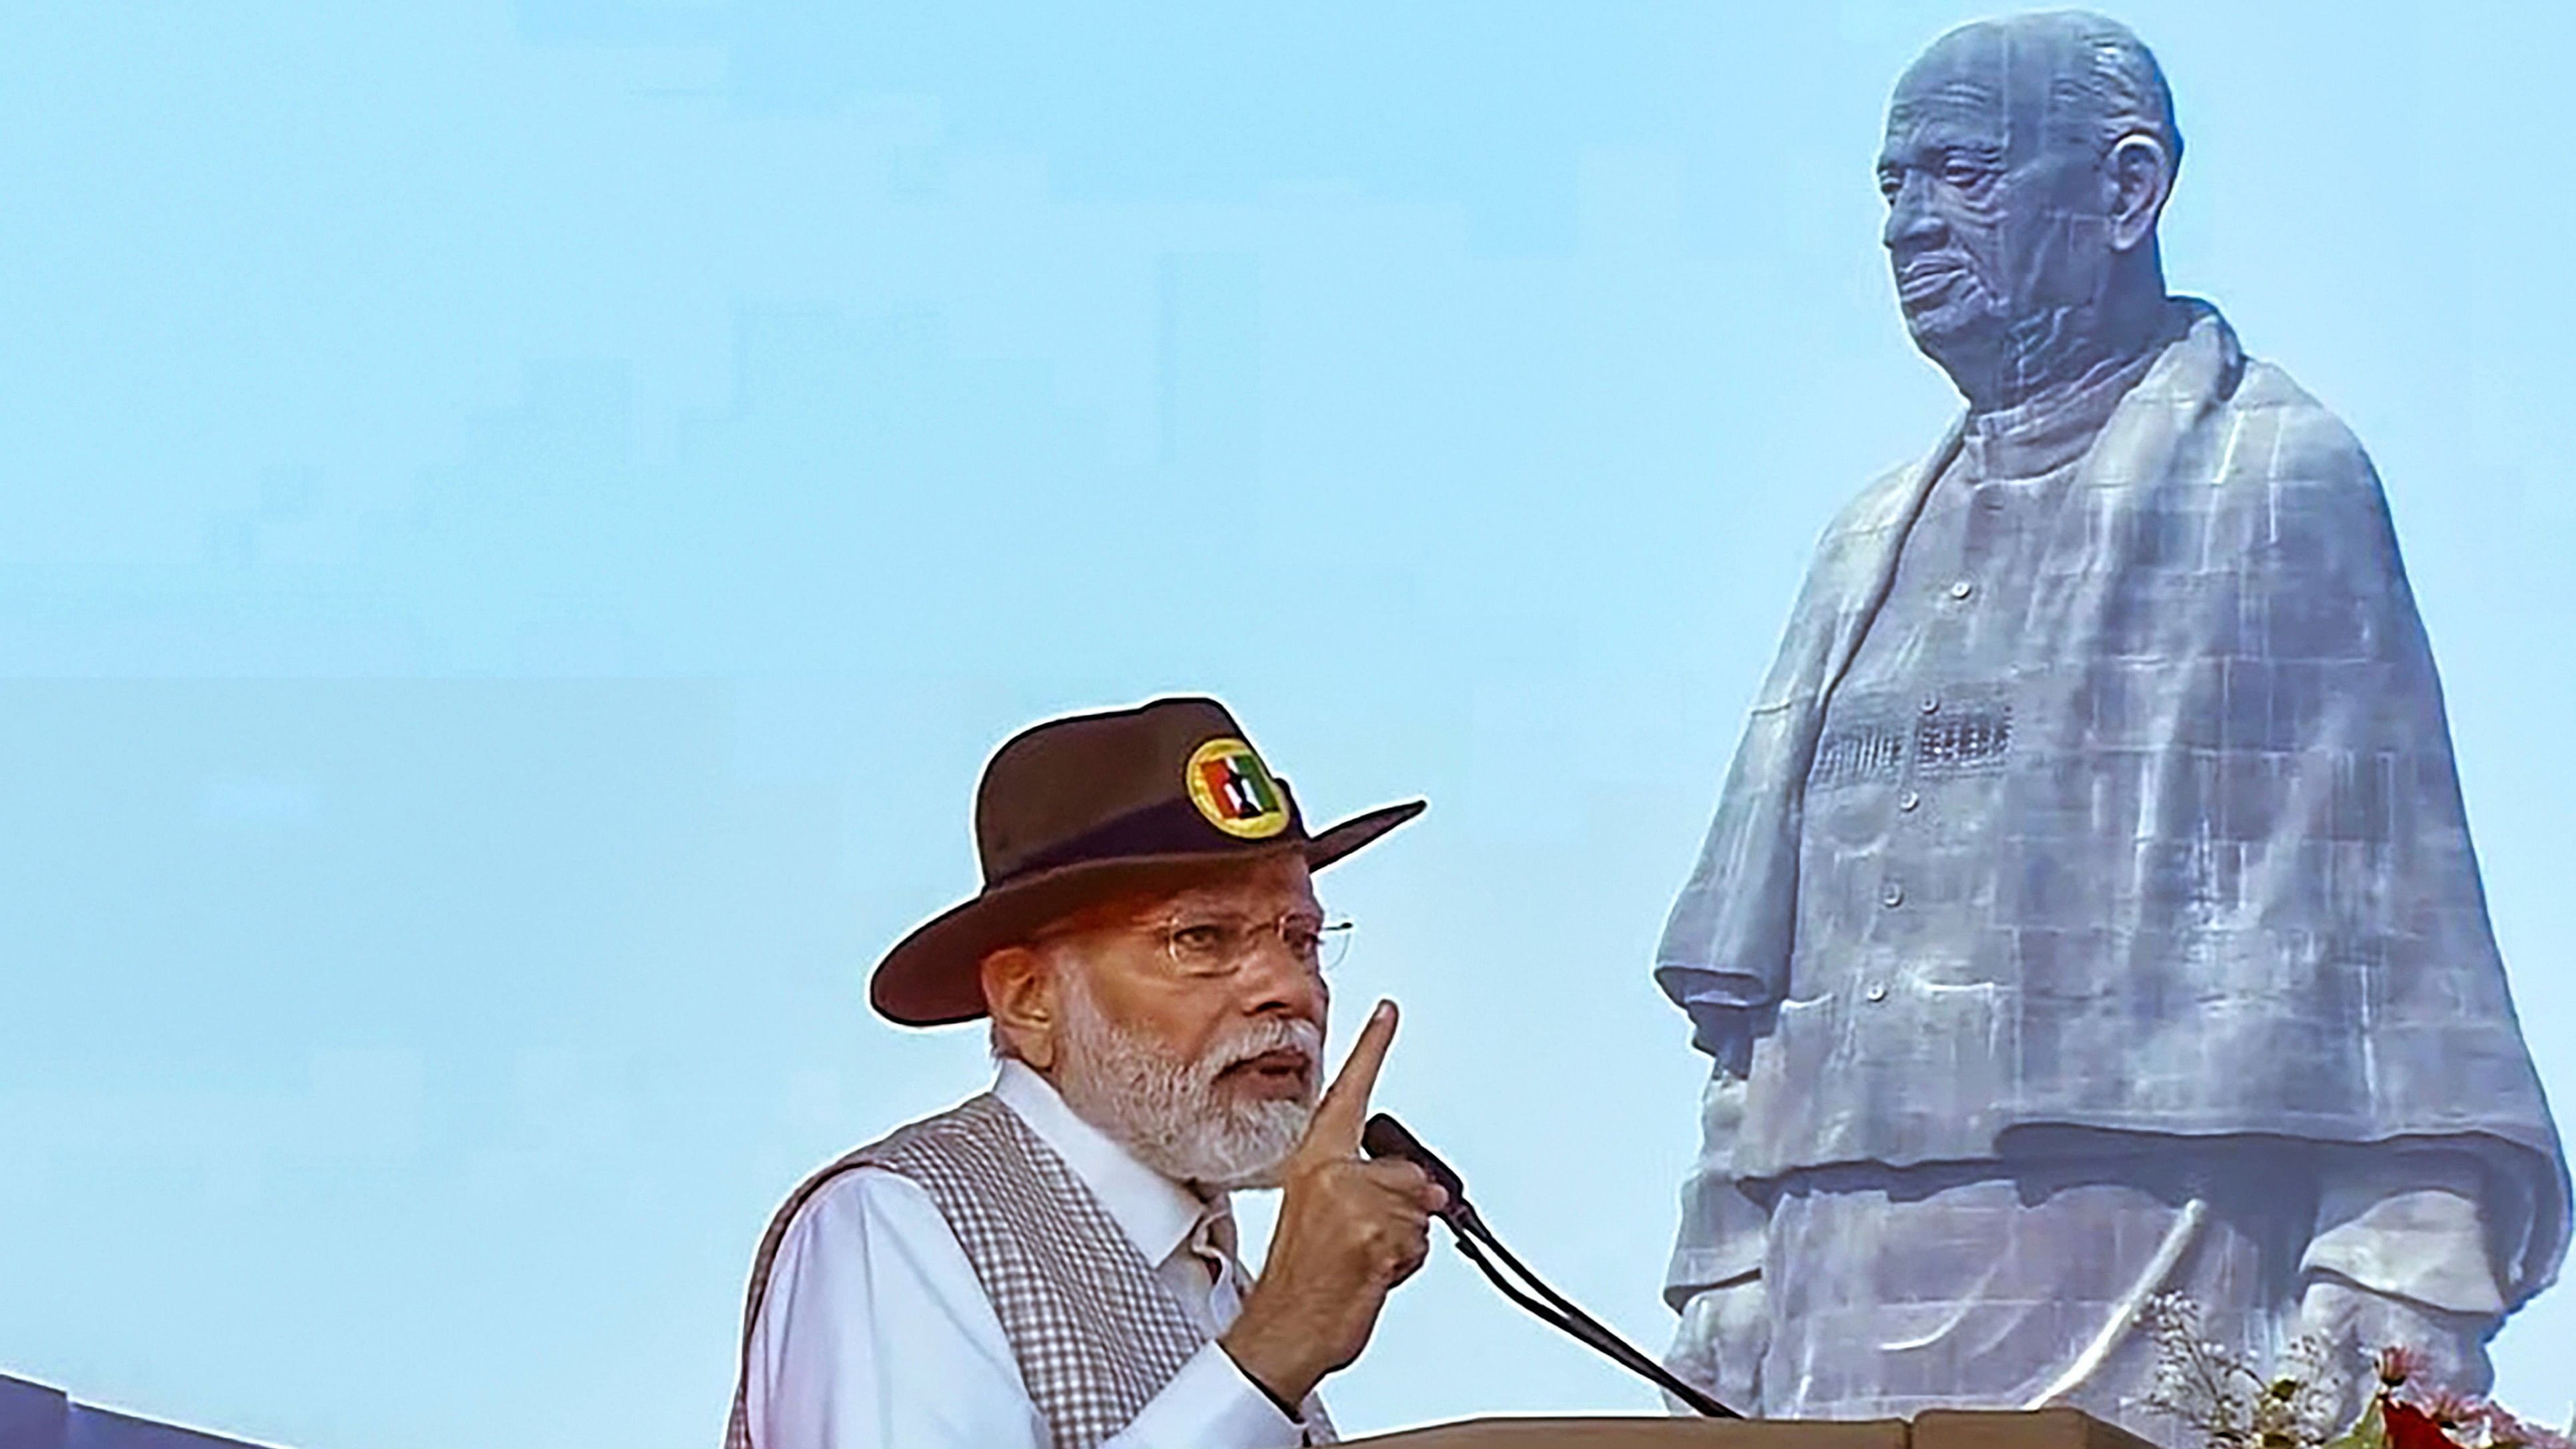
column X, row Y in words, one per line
column 2026, row 162
column 2059, row 78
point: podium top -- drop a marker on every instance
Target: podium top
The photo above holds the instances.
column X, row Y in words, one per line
column 1931, row 1429
column 1641, row 1433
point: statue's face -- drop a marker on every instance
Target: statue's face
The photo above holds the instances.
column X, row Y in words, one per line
column 1997, row 208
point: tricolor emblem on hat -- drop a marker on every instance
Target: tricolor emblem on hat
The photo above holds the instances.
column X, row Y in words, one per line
column 1235, row 791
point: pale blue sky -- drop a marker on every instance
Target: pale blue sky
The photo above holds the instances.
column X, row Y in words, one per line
column 521, row 522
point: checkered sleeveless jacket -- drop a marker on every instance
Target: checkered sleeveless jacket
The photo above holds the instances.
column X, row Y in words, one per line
column 1096, row 1333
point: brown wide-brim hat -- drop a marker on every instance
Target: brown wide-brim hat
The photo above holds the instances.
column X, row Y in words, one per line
column 1074, row 810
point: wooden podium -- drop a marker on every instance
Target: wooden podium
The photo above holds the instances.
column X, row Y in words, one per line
column 1931, row 1429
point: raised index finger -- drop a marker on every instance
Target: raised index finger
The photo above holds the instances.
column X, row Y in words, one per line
column 1338, row 1118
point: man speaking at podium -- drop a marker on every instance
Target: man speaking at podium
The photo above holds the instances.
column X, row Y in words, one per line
column 1052, row 1263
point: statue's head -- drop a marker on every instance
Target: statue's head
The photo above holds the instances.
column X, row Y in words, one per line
column 2025, row 166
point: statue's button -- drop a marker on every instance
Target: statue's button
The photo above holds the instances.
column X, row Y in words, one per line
column 1931, row 705
column 1962, row 589
column 1878, row 991
column 1891, row 894
column 1907, row 800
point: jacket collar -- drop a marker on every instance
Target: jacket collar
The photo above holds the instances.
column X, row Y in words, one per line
column 2192, row 370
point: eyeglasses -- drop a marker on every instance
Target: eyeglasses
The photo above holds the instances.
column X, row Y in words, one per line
column 1219, row 945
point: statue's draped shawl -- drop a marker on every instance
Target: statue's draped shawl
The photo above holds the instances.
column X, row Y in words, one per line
column 2232, row 842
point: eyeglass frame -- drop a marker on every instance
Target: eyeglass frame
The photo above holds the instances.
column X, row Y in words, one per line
column 1332, row 934
column 1332, row 941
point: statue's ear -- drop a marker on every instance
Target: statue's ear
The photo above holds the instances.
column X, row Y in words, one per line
column 2141, row 173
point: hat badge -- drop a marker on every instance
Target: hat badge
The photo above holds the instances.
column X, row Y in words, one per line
column 1234, row 791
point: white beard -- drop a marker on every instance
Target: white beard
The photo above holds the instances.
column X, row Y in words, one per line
column 1171, row 1113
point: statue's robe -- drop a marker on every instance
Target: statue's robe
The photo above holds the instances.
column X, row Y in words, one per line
column 2195, row 987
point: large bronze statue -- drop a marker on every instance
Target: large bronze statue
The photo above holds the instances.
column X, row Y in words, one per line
column 2090, row 911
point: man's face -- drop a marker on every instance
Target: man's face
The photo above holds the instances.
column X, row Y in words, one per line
column 1191, row 1024
column 1996, row 203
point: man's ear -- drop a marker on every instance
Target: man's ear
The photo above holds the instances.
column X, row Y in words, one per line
column 1020, row 992
column 2141, row 177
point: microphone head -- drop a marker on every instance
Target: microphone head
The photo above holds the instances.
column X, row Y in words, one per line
column 1384, row 1136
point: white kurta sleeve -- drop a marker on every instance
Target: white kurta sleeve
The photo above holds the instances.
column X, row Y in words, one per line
column 876, row 1334
column 1209, row 1404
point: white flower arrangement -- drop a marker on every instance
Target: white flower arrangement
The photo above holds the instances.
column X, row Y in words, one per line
column 2214, row 1391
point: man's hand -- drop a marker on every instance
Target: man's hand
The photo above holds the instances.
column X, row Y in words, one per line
column 1349, row 1231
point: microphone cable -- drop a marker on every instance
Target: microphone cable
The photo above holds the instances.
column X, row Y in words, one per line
column 1561, row 1312
column 1386, row 1137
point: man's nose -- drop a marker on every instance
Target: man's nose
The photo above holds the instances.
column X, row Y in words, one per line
column 1273, row 979
column 1912, row 223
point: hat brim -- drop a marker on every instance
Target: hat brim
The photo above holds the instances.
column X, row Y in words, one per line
column 934, row 976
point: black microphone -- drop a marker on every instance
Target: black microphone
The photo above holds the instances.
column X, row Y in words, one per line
column 1386, row 1137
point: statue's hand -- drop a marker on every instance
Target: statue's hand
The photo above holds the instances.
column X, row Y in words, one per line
column 2355, row 1321
column 1719, row 1346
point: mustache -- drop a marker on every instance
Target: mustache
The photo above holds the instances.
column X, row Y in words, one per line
column 1923, row 266
column 1260, row 1038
